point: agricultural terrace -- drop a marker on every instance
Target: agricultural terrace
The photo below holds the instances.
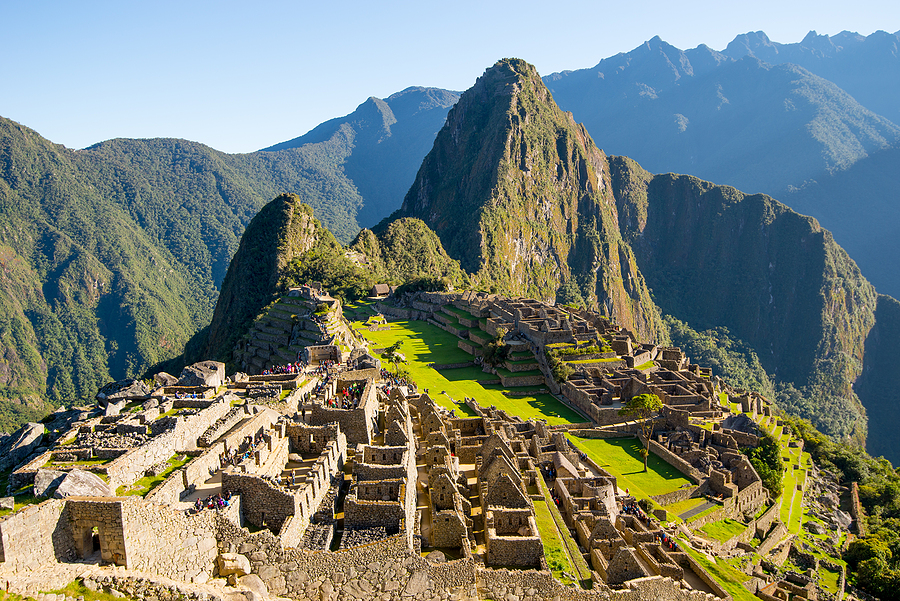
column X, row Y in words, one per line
column 423, row 344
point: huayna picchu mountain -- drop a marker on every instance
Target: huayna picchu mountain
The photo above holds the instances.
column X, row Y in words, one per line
column 520, row 195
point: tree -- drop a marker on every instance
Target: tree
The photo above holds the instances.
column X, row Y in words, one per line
column 496, row 352
column 643, row 407
column 392, row 354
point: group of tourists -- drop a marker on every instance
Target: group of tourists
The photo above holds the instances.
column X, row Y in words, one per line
column 187, row 395
column 631, row 508
column 215, row 501
column 550, row 473
column 297, row 367
column 666, row 541
column 237, row 456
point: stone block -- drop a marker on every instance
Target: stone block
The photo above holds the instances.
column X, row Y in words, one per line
column 7, row 502
column 233, row 563
column 204, row 373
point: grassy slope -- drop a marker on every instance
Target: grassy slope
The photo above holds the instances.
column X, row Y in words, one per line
column 424, row 343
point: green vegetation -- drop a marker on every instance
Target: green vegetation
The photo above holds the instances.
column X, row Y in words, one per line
column 726, row 575
column 77, row 590
column 723, row 530
column 621, row 457
column 554, row 552
column 766, row 460
column 566, row 553
column 143, row 486
column 424, row 344
column 729, row 358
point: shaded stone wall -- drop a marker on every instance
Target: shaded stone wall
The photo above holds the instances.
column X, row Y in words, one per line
column 692, row 473
column 265, row 505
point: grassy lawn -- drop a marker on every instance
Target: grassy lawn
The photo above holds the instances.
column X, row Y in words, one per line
column 723, row 530
column 424, row 343
column 554, row 553
column 621, row 457
column 726, row 575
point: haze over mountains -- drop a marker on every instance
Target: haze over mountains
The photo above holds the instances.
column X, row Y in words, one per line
column 113, row 255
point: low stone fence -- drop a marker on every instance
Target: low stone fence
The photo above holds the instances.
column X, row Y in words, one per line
column 692, row 473
column 681, row 494
column 537, row 380
column 443, row 366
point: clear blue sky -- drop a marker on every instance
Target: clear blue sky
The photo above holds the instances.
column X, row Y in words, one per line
column 240, row 76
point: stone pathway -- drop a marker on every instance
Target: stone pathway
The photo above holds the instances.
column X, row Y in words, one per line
column 696, row 510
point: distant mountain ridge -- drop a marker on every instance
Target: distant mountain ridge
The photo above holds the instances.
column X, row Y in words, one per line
column 763, row 117
column 389, row 138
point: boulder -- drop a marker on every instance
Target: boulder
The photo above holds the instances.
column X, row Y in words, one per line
column 164, row 379
column 80, row 483
column 255, row 584
column 842, row 519
column 114, row 407
column 233, row 563
column 436, row 557
column 150, row 404
column 123, row 390
column 205, row 373
column 7, row 502
column 815, row 527
column 44, row 480
column 22, row 444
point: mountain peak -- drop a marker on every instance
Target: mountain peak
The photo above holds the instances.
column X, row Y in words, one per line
column 519, row 194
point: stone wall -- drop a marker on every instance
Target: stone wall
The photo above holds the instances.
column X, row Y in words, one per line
column 356, row 424
column 264, row 504
column 197, row 470
column 387, row 570
column 35, row 535
column 692, row 473
column 131, row 466
column 169, row 491
column 171, row 543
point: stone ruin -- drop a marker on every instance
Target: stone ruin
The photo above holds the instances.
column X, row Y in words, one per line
column 318, row 492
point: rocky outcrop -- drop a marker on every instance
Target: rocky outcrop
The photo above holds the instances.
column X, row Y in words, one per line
column 21, row 444
column 123, row 390
column 44, row 480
